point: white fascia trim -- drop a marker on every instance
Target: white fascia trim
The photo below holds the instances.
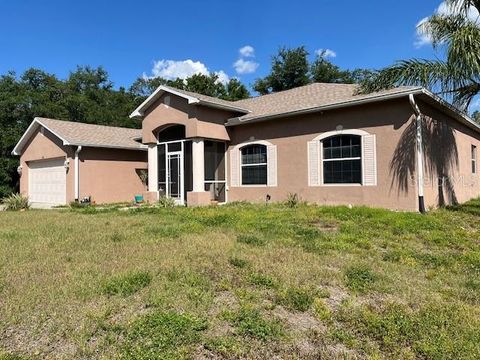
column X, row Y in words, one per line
column 17, row 150
column 238, row 121
column 139, row 111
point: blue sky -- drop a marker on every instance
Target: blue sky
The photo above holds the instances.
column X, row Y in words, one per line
column 132, row 38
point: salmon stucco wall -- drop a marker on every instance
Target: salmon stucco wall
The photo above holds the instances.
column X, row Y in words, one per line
column 111, row 175
column 43, row 145
column 448, row 166
column 390, row 121
column 199, row 121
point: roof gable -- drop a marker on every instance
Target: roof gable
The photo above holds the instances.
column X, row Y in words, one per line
column 81, row 134
column 192, row 98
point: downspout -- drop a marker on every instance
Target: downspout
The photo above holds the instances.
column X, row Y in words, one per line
column 420, row 155
column 77, row 173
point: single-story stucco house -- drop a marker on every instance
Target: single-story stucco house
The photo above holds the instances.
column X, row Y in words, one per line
column 403, row 148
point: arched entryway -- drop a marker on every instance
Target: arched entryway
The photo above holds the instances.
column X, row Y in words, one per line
column 188, row 170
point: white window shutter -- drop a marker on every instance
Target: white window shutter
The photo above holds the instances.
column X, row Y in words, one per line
column 369, row 156
column 272, row 165
column 314, row 163
column 234, row 167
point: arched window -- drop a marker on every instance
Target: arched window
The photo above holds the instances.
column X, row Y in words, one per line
column 254, row 164
column 342, row 159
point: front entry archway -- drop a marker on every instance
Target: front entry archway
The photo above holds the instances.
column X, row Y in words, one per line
column 190, row 171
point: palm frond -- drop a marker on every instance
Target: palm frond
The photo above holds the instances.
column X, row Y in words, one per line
column 420, row 72
column 463, row 6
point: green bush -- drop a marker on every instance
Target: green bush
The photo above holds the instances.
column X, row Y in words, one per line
column 16, row 202
column 127, row 284
column 162, row 335
column 359, row 278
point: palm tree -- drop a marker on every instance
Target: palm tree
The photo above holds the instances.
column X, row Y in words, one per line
column 456, row 36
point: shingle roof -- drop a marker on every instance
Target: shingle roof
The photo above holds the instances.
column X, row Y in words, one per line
column 75, row 133
column 307, row 97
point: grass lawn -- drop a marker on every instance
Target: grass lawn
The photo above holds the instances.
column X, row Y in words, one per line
column 240, row 281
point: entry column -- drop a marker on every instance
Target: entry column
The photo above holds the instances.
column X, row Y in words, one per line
column 198, row 196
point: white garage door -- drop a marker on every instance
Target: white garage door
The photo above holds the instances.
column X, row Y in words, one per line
column 47, row 182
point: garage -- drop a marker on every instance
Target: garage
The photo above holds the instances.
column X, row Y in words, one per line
column 47, row 182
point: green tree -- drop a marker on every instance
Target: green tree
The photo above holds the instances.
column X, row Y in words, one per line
column 203, row 84
column 290, row 69
column 235, row 90
column 87, row 95
column 456, row 73
column 476, row 117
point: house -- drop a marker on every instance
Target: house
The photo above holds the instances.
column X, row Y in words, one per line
column 403, row 148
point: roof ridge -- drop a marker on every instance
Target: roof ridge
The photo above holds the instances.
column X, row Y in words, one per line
column 294, row 89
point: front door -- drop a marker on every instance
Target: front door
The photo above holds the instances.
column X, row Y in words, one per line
column 175, row 176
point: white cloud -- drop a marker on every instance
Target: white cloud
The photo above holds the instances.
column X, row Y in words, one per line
column 245, row 66
column 247, row 51
column 422, row 36
column 326, row 53
column 171, row 69
column 222, row 77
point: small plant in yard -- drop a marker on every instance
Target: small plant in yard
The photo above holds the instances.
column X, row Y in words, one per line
column 250, row 239
column 162, row 335
column 15, row 202
column 237, row 262
column 166, row 202
column 294, row 298
column 321, row 309
column 261, row 280
column 127, row 284
column 250, row 322
column 359, row 278
column 292, row 200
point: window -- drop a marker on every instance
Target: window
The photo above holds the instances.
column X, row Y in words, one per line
column 342, row 160
column 474, row 159
column 254, row 165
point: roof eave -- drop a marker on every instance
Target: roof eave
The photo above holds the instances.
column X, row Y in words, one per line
column 459, row 115
column 139, row 147
column 224, row 107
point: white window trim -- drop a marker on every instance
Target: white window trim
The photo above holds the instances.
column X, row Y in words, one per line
column 328, row 134
column 238, row 148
